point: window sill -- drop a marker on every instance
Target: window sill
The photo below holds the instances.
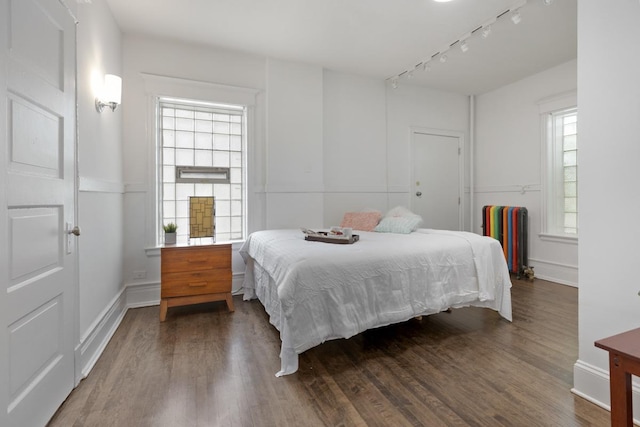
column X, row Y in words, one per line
column 154, row 251
column 559, row 238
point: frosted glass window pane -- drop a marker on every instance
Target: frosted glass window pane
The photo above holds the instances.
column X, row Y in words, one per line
column 184, row 157
column 204, row 190
column 168, row 138
column 169, row 208
column 236, row 223
column 571, row 220
column 571, row 173
column 204, row 140
column 570, row 158
column 236, row 159
column 570, row 129
column 571, row 204
column 168, row 191
column 221, row 191
column 184, row 124
column 168, row 156
column 236, row 207
column 223, row 237
column 184, row 113
column 221, row 127
column 236, row 192
column 220, row 142
column 573, row 118
column 221, row 159
column 235, row 176
column 570, row 142
column 182, row 208
column 184, row 190
column 203, row 115
column 570, row 189
column 223, row 224
column 223, row 208
column 236, row 143
column 203, row 158
column 168, row 123
column 204, row 126
column 183, row 225
column 169, row 174
column 184, row 139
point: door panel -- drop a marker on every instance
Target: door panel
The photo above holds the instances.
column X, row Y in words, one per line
column 436, row 180
column 41, row 278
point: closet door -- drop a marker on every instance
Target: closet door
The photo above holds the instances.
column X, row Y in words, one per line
column 436, row 189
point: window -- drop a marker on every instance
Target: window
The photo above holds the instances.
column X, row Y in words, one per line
column 562, row 173
column 202, row 153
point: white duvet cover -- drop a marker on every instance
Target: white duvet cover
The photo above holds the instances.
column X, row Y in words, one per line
column 315, row 291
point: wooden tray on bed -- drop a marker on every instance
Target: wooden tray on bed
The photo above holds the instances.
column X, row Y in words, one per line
column 324, row 237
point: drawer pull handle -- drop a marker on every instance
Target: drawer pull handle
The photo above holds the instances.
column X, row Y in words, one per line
column 197, row 261
column 197, row 284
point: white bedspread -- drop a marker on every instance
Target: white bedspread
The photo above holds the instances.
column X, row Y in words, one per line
column 316, row 291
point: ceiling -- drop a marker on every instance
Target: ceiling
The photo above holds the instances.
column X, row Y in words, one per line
column 376, row 38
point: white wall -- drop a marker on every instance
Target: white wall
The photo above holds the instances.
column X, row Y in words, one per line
column 410, row 106
column 101, row 188
column 508, row 144
column 609, row 97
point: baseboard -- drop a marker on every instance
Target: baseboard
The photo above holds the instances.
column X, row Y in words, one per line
column 96, row 339
column 555, row 272
column 143, row 294
column 592, row 383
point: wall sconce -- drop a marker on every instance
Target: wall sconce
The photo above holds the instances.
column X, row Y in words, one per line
column 111, row 95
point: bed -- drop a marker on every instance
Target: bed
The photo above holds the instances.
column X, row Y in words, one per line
column 315, row 291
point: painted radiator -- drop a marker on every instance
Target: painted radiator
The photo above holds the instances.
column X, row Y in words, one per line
column 508, row 224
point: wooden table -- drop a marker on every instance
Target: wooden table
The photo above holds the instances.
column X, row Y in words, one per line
column 624, row 361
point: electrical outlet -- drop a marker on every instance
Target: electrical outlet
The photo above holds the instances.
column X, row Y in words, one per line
column 139, row 274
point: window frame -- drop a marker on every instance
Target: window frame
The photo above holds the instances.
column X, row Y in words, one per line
column 552, row 170
column 173, row 87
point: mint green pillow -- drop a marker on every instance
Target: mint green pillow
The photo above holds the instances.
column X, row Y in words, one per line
column 398, row 224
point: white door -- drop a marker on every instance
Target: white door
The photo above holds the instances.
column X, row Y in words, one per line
column 436, row 178
column 38, row 167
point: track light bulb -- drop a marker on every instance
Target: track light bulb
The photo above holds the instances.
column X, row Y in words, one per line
column 548, row 2
column 486, row 31
column 464, row 46
column 426, row 66
column 443, row 58
column 394, row 83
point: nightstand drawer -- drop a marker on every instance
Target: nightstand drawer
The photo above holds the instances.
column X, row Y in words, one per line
column 196, row 258
column 196, row 283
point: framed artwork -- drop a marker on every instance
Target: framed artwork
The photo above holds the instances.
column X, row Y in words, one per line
column 201, row 217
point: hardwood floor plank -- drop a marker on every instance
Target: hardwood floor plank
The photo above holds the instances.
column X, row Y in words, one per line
column 205, row 366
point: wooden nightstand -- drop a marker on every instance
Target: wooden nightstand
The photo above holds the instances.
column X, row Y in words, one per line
column 195, row 274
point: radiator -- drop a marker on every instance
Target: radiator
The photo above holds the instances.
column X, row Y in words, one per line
column 508, row 224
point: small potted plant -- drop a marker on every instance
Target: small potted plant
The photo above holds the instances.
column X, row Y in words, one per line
column 170, row 233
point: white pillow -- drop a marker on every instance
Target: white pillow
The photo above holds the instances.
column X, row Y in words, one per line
column 399, row 220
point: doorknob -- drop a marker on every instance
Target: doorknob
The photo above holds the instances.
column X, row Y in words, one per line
column 418, row 193
column 75, row 231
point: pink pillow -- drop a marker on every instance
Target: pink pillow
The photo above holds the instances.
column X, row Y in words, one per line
column 364, row 221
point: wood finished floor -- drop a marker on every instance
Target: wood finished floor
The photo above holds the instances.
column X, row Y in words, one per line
column 207, row 367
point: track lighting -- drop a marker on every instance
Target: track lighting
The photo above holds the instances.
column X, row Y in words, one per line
column 464, row 46
column 486, row 31
column 548, row 2
column 515, row 16
column 394, row 83
column 443, row 58
column 426, row 66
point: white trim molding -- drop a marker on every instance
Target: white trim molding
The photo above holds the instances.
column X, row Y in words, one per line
column 91, row 185
column 564, row 274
